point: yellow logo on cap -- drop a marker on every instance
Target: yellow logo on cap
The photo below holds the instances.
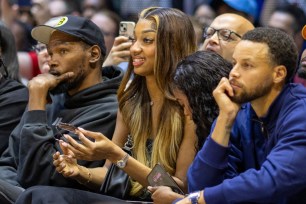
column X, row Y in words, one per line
column 61, row 21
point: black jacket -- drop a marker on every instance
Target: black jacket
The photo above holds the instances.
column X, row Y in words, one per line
column 13, row 101
column 28, row 159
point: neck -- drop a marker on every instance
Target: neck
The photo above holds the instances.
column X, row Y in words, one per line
column 156, row 95
column 262, row 104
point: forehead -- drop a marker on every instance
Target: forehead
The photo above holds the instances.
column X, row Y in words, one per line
column 227, row 22
column 145, row 24
column 248, row 50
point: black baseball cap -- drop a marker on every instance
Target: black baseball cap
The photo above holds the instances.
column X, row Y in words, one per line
column 77, row 26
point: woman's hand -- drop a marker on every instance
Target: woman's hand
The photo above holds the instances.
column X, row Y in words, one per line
column 65, row 165
column 93, row 146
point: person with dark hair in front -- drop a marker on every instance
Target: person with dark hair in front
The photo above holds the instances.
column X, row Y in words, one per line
column 76, row 90
column 256, row 151
column 194, row 80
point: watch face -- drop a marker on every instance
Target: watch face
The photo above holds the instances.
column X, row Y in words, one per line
column 121, row 164
column 194, row 197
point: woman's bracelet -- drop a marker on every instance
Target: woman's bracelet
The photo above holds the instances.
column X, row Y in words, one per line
column 89, row 177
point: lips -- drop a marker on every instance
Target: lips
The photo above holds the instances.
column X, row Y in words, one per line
column 234, row 84
column 138, row 62
column 210, row 48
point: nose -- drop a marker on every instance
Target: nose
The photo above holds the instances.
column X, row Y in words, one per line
column 214, row 39
column 235, row 71
column 52, row 62
column 135, row 48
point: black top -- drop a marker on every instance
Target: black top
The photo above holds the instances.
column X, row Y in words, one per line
column 32, row 144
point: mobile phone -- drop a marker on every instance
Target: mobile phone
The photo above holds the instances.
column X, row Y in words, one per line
column 63, row 128
column 160, row 177
column 127, row 29
column 66, row 126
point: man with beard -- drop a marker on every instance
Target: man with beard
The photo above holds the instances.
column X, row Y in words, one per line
column 256, row 151
column 76, row 90
column 224, row 33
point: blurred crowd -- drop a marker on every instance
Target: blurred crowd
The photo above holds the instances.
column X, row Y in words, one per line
column 20, row 16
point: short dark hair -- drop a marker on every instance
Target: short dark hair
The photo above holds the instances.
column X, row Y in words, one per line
column 197, row 76
column 282, row 48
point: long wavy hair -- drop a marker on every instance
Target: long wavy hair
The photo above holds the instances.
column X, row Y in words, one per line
column 197, row 76
column 175, row 40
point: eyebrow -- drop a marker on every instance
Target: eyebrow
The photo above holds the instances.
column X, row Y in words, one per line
column 148, row 31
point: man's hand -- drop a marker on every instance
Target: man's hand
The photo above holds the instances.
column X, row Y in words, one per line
column 222, row 94
column 228, row 110
column 39, row 87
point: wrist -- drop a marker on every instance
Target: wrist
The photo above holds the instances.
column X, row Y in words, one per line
column 84, row 176
column 226, row 120
column 194, row 197
column 116, row 154
column 37, row 101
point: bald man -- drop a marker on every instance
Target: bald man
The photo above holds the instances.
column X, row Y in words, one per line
column 224, row 33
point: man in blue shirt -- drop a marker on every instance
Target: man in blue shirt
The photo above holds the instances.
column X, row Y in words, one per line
column 256, row 152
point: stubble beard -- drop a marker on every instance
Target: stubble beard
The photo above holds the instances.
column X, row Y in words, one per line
column 64, row 87
column 259, row 91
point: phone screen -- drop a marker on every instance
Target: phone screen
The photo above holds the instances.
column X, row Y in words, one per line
column 160, row 177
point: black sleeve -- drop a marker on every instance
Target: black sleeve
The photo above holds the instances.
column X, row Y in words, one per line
column 37, row 145
column 12, row 106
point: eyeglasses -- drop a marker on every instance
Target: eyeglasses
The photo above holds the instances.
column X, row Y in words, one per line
column 39, row 48
column 223, row 34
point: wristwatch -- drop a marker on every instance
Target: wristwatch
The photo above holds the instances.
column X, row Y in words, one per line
column 194, row 197
column 122, row 162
